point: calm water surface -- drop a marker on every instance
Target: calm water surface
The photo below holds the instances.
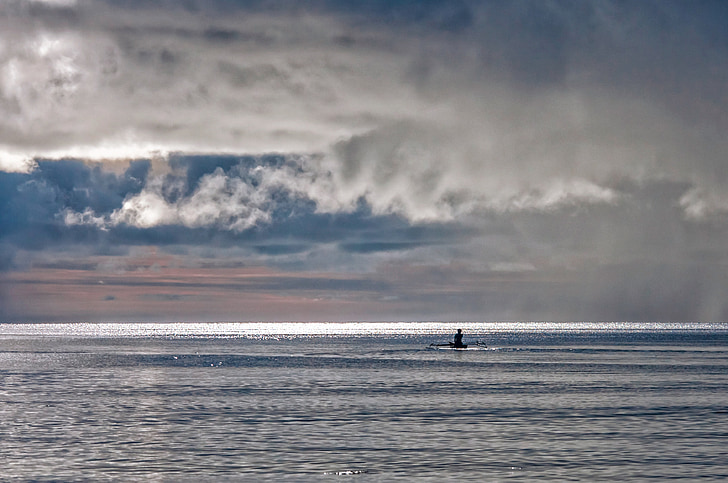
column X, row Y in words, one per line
column 363, row 402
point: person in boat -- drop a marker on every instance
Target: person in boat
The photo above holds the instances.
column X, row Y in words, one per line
column 458, row 342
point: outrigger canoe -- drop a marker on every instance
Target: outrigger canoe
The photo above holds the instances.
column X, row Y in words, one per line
column 479, row 346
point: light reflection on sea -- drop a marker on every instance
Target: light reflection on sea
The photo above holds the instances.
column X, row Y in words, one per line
column 373, row 402
column 273, row 329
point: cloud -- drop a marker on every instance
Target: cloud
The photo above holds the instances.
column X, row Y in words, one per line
column 245, row 196
column 512, row 106
column 15, row 163
column 564, row 149
column 88, row 217
column 700, row 204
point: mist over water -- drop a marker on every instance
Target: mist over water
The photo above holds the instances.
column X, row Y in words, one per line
column 313, row 402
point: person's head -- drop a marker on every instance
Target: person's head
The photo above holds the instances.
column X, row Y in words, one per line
column 460, row 330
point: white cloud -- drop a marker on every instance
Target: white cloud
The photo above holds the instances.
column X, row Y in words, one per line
column 146, row 210
column 88, row 217
column 223, row 201
column 40, row 76
column 557, row 195
column 12, row 162
column 699, row 205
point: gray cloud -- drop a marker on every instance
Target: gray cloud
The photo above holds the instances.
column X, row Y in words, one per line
column 509, row 106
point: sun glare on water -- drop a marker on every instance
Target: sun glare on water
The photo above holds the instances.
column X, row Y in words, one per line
column 323, row 329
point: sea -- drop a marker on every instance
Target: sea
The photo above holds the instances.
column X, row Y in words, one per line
column 293, row 401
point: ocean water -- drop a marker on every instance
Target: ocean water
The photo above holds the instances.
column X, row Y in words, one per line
column 363, row 402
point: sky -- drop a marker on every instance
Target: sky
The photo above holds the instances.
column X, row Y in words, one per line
column 226, row 160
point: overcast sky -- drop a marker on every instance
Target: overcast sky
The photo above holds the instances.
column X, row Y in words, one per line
column 385, row 160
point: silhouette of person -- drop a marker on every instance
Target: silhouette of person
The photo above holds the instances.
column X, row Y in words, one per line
column 458, row 342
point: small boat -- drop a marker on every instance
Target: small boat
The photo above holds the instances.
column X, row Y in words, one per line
column 479, row 346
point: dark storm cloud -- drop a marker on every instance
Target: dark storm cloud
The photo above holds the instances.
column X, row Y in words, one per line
column 368, row 247
column 69, row 202
column 75, row 185
column 33, row 204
